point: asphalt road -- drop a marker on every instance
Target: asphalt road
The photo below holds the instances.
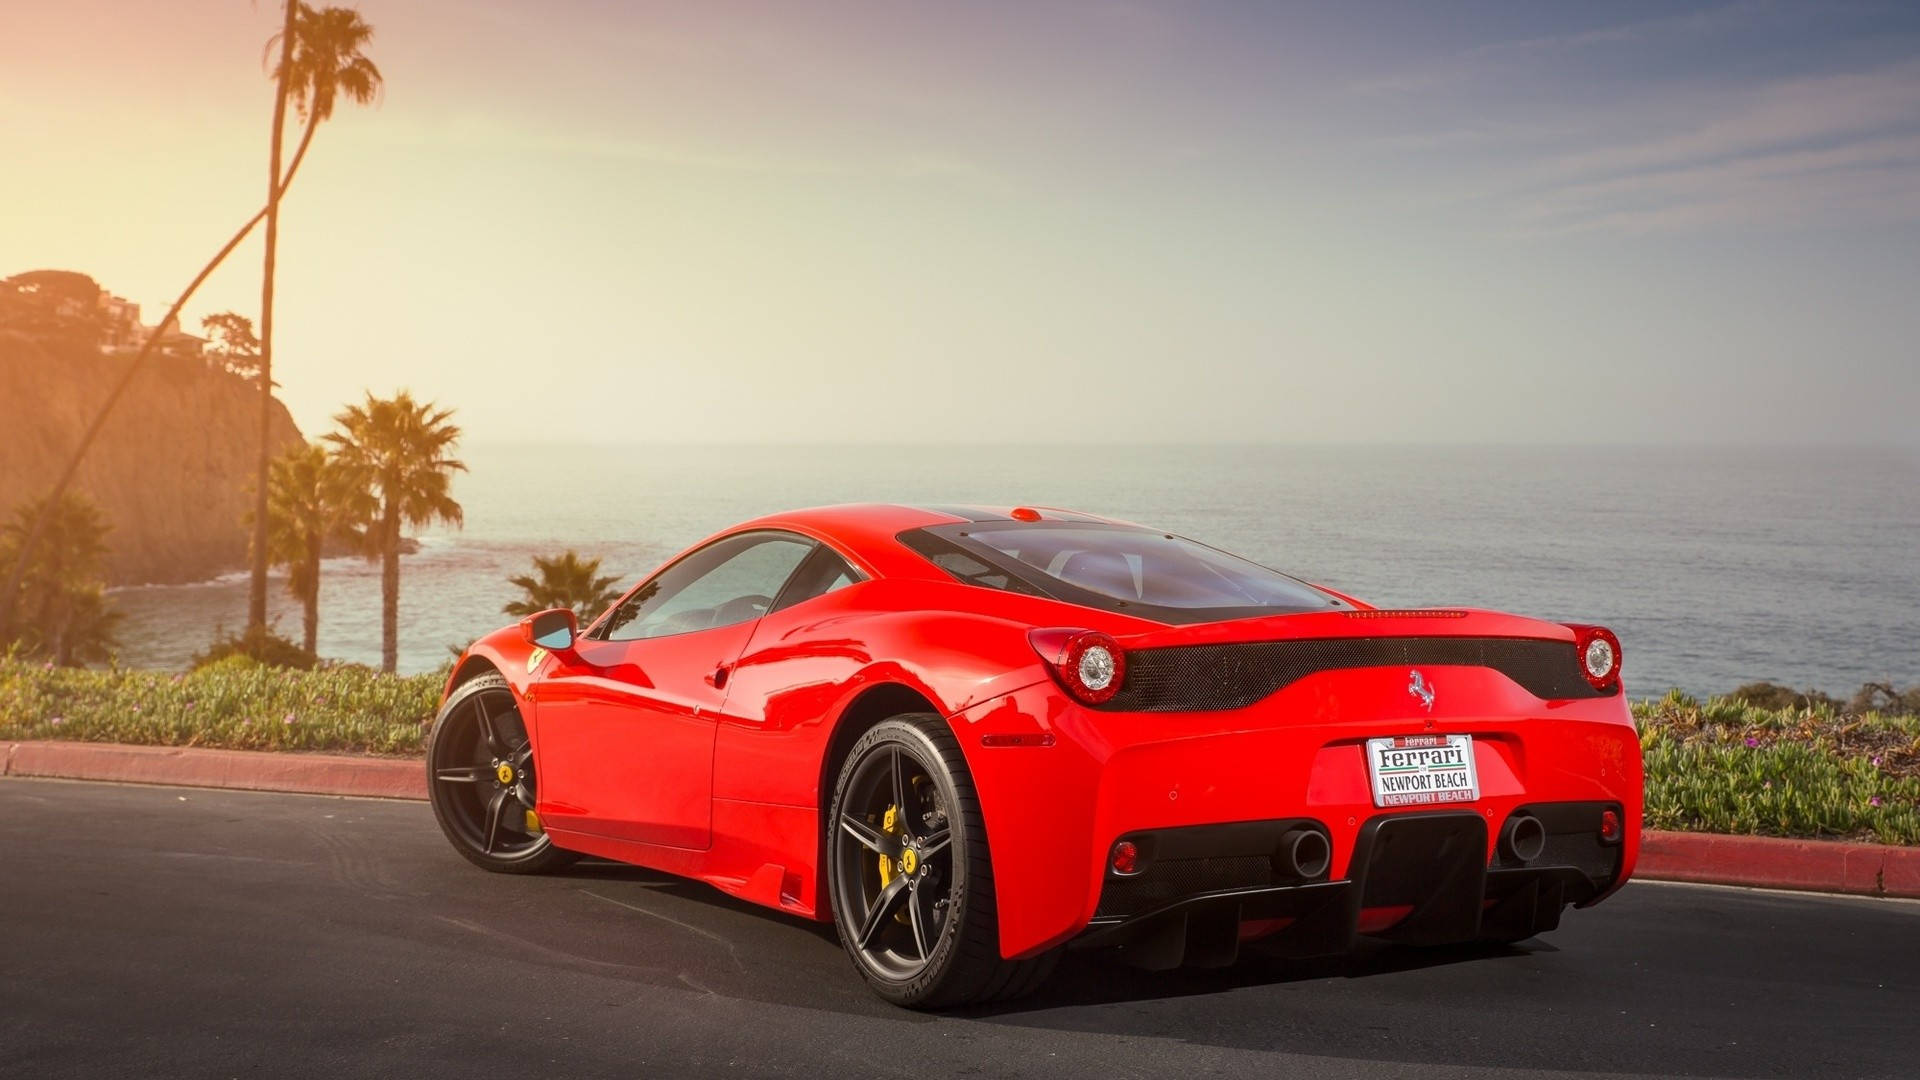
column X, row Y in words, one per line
column 176, row 932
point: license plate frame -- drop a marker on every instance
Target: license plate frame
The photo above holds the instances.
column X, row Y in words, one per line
column 1422, row 770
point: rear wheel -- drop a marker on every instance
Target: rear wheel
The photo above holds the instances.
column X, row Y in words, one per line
column 482, row 783
column 910, row 877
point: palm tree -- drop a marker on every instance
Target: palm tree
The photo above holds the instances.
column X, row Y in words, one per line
column 397, row 450
column 320, row 61
column 61, row 592
column 311, row 498
column 564, row 581
column 35, row 533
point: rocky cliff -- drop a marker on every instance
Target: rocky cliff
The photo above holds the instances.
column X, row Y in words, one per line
column 173, row 468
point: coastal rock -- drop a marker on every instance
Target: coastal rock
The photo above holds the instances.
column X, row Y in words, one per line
column 172, row 469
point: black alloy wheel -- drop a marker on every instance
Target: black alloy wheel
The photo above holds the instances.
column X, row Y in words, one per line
column 482, row 783
column 910, row 876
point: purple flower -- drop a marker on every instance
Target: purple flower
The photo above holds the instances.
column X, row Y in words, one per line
column 1752, row 742
column 1876, row 761
column 289, row 720
column 1875, row 801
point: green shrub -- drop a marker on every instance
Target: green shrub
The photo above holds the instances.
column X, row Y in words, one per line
column 259, row 644
column 1812, row 770
column 234, row 702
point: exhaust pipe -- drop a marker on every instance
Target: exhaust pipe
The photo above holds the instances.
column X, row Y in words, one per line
column 1305, row 852
column 1523, row 838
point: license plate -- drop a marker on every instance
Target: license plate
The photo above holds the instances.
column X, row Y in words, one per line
column 1414, row 770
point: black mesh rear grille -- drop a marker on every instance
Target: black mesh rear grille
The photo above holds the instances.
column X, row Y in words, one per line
column 1582, row 851
column 1199, row 678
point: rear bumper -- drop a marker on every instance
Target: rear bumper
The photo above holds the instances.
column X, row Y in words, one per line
column 1054, row 809
column 1420, row 878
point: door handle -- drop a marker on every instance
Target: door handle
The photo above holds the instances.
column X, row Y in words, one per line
column 717, row 678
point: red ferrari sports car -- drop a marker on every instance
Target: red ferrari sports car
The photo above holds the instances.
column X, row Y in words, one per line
column 973, row 737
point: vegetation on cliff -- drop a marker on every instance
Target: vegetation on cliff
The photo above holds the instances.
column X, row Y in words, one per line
column 169, row 470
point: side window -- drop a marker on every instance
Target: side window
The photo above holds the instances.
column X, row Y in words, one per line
column 823, row 572
column 726, row 582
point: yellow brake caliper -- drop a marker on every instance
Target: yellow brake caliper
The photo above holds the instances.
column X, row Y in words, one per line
column 890, row 826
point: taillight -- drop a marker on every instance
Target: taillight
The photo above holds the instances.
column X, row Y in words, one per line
column 1090, row 664
column 1598, row 651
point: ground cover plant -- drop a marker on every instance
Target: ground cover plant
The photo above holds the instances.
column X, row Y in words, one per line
column 236, row 703
column 1792, row 765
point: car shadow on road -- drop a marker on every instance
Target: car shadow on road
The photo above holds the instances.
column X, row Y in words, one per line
column 1100, row 977
column 1095, row 977
column 587, row 871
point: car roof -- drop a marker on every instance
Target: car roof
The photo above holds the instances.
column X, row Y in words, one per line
column 870, row 531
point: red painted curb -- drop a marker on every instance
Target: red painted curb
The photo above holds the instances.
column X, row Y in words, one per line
column 1754, row 861
column 254, row 770
column 1768, row 862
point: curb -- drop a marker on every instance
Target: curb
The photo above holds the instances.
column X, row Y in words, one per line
column 1768, row 862
column 251, row 770
column 1761, row 862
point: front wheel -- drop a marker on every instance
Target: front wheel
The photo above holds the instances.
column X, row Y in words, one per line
column 910, row 877
column 481, row 781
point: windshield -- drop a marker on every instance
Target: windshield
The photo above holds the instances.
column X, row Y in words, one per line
column 1142, row 572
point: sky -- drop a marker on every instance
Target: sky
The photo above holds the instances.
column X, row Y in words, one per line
column 1077, row 221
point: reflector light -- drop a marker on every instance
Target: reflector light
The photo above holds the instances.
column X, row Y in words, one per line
column 1126, row 859
column 1090, row 664
column 1025, row 738
column 1610, row 826
column 1025, row 513
column 1599, row 652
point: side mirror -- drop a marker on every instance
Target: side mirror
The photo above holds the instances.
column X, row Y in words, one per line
column 554, row 629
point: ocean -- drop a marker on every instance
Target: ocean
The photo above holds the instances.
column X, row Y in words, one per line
column 1716, row 565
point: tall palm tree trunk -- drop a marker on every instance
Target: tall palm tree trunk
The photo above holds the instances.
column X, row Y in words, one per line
column 31, row 541
column 257, row 593
column 390, row 588
column 310, row 617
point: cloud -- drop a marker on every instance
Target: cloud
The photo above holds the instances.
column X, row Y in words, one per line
column 1492, row 60
column 1798, row 151
column 1711, row 21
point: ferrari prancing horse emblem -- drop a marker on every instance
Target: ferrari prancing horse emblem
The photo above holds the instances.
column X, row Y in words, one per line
column 1418, row 687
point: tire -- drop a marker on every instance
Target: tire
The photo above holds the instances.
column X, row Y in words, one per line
column 483, row 811
column 940, row 945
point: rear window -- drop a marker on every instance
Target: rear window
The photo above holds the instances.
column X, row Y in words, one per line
column 1119, row 568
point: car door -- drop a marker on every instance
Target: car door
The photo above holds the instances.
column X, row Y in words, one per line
column 792, row 670
column 627, row 724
